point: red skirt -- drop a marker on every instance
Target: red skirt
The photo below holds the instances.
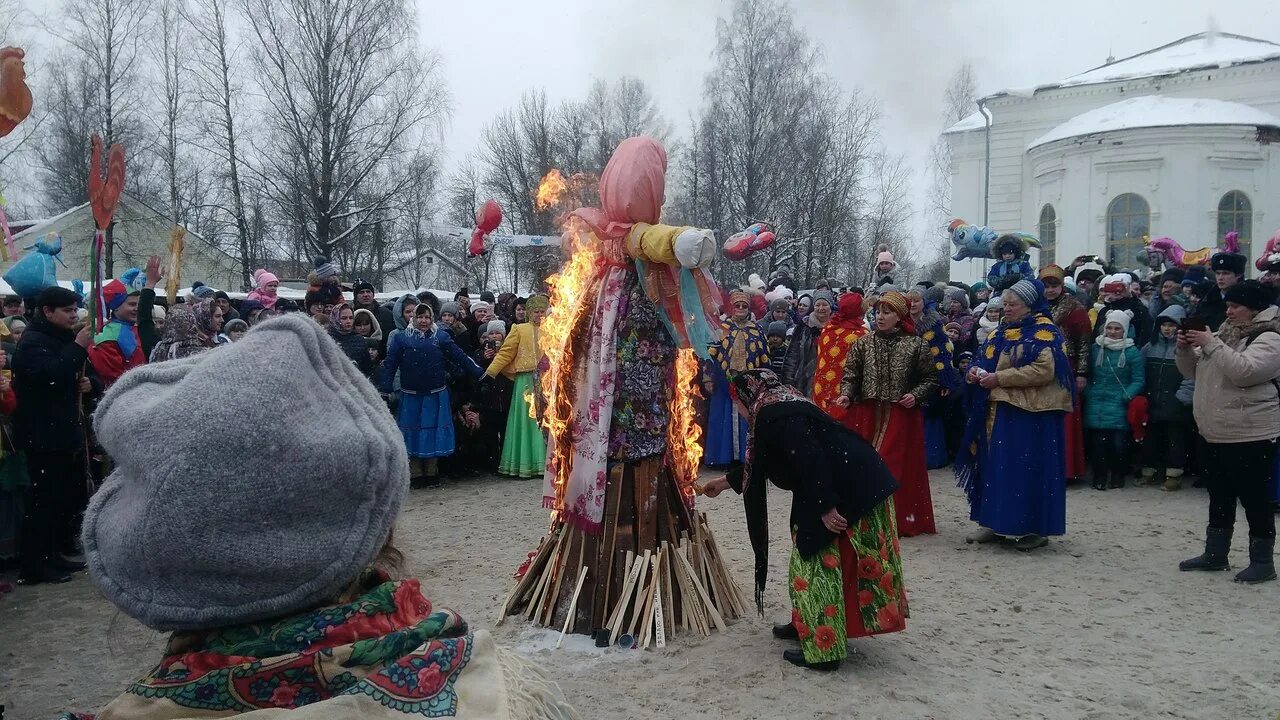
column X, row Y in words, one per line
column 1074, row 445
column 897, row 433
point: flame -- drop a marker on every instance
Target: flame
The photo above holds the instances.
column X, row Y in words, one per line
column 533, row 408
column 683, row 430
column 569, row 292
column 551, row 190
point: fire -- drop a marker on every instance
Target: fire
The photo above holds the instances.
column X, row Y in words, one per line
column 551, row 190
column 569, row 300
column 683, row 431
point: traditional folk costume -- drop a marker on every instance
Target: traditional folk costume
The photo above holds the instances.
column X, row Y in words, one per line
column 1011, row 462
column 524, row 450
column 842, row 585
column 881, row 368
column 837, row 337
column 742, row 347
column 628, row 319
column 1073, row 322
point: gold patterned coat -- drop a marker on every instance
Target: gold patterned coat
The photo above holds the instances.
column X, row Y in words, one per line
column 886, row 367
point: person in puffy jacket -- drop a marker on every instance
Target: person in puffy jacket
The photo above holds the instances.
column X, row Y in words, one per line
column 1116, row 378
column 1164, row 449
column 1237, row 411
column 425, row 416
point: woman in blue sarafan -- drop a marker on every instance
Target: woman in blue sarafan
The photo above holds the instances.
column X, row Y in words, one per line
column 1012, row 462
column 742, row 347
column 929, row 325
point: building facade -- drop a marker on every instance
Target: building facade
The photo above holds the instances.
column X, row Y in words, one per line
column 1178, row 141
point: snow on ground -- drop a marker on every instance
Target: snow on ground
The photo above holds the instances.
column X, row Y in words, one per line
column 1099, row 624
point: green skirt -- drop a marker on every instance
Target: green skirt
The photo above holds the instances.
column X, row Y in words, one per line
column 524, row 450
column 852, row 588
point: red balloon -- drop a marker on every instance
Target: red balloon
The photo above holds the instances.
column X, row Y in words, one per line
column 488, row 218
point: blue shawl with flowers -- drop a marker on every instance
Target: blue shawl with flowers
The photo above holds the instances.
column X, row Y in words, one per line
column 1024, row 342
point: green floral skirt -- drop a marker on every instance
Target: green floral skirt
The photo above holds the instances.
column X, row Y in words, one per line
column 852, row 588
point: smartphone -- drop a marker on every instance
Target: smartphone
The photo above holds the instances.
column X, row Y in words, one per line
column 1194, row 323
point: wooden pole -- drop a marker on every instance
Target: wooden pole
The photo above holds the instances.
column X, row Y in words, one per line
column 573, row 606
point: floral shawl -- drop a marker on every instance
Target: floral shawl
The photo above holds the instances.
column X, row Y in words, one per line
column 1024, row 342
column 182, row 336
column 387, row 654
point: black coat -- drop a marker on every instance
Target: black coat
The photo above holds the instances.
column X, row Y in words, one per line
column 46, row 377
column 1212, row 309
column 1141, row 323
column 801, row 361
column 356, row 347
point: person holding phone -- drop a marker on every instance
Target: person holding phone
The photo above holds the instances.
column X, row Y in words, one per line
column 1237, row 408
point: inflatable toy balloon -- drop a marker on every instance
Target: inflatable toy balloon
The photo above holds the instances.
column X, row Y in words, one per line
column 742, row 245
column 488, row 218
column 971, row 241
column 15, row 96
column 36, row 271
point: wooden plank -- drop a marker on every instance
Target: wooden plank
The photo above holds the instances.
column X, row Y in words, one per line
column 646, row 494
column 668, row 607
column 552, row 598
column 573, row 605
column 617, row 607
column 632, row 579
column 702, row 593
column 602, row 578
column 641, row 590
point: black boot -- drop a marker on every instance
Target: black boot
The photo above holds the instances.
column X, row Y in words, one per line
column 1117, row 479
column 46, row 574
column 66, row 565
column 796, row 657
column 1217, row 541
column 1099, row 481
column 785, row 631
column 1261, row 566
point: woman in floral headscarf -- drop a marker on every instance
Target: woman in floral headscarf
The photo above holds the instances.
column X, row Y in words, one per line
column 1011, row 462
column 845, row 576
column 188, row 330
column 887, row 377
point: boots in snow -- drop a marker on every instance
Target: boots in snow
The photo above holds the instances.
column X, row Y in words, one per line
column 1261, row 566
column 1117, row 479
column 1217, row 542
column 1173, row 480
column 1148, row 477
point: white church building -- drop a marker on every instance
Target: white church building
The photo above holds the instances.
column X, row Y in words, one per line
column 1182, row 140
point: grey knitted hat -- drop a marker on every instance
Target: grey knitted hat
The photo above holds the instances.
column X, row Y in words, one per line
column 206, row 529
column 827, row 295
column 450, row 307
column 1026, row 291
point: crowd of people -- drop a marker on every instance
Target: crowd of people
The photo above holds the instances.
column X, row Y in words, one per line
column 1070, row 374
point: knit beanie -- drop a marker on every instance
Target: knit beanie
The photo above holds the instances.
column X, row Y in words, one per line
column 777, row 328
column 1175, row 274
column 780, row 304
column 362, row 285
column 477, row 306
column 1123, row 318
column 261, row 278
column 1251, row 294
column 825, row 295
column 236, row 325
column 1026, row 291
column 487, row 296
column 202, row 291
column 537, row 302
column 191, row 534
column 449, row 308
column 884, row 256
column 497, row 326
column 933, row 295
column 324, row 268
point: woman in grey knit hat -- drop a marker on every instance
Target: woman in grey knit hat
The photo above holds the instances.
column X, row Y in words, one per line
column 281, row 595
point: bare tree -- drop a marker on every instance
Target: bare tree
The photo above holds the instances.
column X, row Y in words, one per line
column 170, row 55
column 63, row 154
column 958, row 103
column 220, row 97
column 347, row 91
column 885, row 220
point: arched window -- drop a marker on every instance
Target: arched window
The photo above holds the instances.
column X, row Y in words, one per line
column 1048, row 232
column 1235, row 212
column 1128, row 222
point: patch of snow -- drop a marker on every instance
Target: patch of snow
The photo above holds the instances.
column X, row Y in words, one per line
column 1194, row 52
column 1157, row 111
column 973, row 122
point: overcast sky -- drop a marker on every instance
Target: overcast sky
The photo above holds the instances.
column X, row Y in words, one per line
column 900, row 51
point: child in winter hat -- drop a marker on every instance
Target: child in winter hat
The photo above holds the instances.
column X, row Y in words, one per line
column 265, row 285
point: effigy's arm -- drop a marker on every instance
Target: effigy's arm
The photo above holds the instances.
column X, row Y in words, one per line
column 673, row 263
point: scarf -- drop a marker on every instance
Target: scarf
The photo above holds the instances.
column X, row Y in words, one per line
column 389, row 653
column 1232, row 334
column 1023, row 342
column 1105, row 343
column 335, row 328
column 181, row 337
column 849, row 313
column 742, row 347
column 762, row 393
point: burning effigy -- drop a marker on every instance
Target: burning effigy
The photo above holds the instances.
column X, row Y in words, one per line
column 627, row 554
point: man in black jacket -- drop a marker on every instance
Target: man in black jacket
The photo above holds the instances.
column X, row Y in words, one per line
column 1228, row 269
column 50, row 375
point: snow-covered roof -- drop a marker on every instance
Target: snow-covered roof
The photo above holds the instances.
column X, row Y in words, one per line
column 1194, row 52
column 1154, row 111
column 973, row 122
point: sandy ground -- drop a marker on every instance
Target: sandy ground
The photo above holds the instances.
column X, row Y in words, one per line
column 1099, row 624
